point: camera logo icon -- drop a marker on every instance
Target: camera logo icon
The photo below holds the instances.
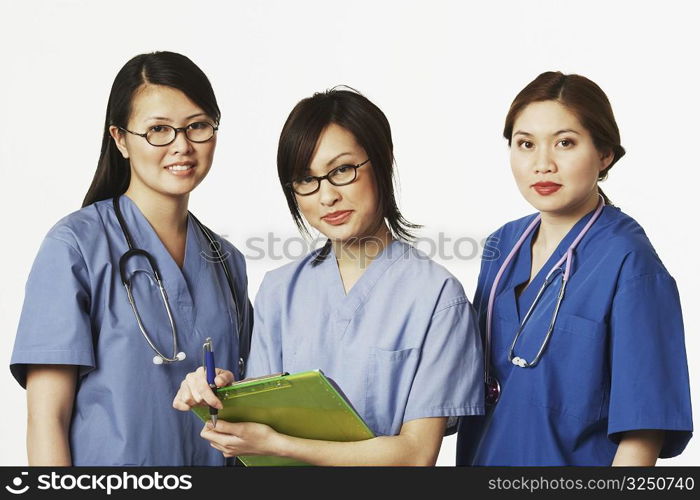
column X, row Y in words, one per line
column 17, row 483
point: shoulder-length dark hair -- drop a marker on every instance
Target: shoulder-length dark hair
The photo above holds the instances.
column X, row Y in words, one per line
column 584, row 99
column 351, row 110
column 157, row 68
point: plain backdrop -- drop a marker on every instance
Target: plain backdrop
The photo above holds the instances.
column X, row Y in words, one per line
column 443, row 72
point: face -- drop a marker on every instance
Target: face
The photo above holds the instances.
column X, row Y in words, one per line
column 172, row 170
column 554, row 159
column 341, row 212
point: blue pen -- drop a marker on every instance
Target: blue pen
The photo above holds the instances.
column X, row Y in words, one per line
column 211, row 374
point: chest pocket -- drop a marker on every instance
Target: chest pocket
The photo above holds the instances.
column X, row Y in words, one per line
column 389, row 379
column 572, row 373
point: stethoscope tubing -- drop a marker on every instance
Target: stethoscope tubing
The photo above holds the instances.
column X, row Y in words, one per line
column 132, row 251
column 567, row 258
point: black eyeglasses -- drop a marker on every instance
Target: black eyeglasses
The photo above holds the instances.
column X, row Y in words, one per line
column 339, row 176
column 162, row 135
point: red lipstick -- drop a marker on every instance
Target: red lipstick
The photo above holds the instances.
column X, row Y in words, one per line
column 337, row 218
column 546, row 188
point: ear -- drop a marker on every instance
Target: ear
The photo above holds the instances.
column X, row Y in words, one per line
column 606, row 159
column 119, row 140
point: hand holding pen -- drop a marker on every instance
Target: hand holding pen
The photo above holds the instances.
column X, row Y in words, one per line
column 197, row 390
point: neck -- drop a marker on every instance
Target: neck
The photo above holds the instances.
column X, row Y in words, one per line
column 167, row 214
column 554, row 226
column 360, row 252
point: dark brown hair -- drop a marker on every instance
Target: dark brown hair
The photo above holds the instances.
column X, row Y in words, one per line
column 170, row 69
column 584, row 99
column 351, row 110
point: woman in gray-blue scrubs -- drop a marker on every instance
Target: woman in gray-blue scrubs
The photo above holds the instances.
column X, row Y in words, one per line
column 392, row 327
column 101, row 372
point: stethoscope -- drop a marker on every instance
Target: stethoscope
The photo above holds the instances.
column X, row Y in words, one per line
column 493, row 388
column 155, row 277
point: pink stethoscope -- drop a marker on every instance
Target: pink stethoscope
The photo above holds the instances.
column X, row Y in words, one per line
column 493, row 388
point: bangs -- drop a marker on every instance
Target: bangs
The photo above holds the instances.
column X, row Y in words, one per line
column 304, row 128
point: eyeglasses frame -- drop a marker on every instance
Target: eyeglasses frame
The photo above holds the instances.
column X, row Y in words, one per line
column 177, row 130
column 290, row 185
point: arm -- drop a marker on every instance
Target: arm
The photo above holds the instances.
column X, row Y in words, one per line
column 639, row 448
column 418, row 444
column 50, row 395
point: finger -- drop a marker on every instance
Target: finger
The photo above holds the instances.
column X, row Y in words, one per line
column 183, row 399
column 225, row 451
column 200, row 391
column 227, row 428
column 223, row 377
column 180, row 405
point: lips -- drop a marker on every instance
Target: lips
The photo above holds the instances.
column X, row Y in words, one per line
column 338, row 217
column 182, row 168
column 546, row 188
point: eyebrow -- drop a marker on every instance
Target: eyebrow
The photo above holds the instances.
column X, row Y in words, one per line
column 169, row 120
column 307, row 170
column 558, row 132
column 334, row 159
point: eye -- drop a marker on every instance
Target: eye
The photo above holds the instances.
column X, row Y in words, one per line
column 198, row 125
column 525, row 144
column 566, row 143
column 158, row 128
column 343, row 169
column 306, row 180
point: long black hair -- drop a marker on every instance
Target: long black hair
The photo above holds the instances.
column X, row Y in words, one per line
column 354, row 112
column 157, row 68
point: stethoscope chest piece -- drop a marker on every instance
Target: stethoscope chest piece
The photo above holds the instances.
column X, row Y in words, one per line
column 159, row 360
column 493, row 391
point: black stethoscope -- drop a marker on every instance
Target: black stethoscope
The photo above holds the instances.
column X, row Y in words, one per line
column 155, row 277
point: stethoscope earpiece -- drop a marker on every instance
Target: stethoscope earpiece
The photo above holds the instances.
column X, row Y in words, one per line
column 157, row 360
column 181, row 356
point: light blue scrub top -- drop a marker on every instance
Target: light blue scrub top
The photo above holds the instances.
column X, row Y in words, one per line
column 76, row 312
column 402, row 345
column 616, row 360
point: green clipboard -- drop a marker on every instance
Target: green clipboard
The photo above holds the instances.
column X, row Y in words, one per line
column 306, row 405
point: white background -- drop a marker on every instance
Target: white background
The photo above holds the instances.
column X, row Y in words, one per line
column 443, row 72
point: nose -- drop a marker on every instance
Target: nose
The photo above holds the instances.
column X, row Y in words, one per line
column 181, row 144
column 545, row 162
column 328, row 193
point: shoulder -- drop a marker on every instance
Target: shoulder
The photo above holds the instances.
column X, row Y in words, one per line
column 420, row 275
column 617, row 237
column 78, row 229
column 280, row 278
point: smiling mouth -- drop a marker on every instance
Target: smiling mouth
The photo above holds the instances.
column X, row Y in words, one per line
column 179, row 168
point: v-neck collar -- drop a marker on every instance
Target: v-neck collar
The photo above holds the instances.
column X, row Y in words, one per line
column 516, row 307
column 362, row 289
column 175, row 279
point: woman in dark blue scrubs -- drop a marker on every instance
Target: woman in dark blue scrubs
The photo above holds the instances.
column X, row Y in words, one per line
column 598, row 376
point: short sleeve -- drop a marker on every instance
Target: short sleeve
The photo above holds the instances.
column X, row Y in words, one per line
column 266, row 345
column 649, row 369
column 55, row 326
column 449, row 377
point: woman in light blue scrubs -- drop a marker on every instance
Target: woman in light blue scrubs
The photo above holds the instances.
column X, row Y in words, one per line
column 390, row 326
column 98, row 393
column 611, row 384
